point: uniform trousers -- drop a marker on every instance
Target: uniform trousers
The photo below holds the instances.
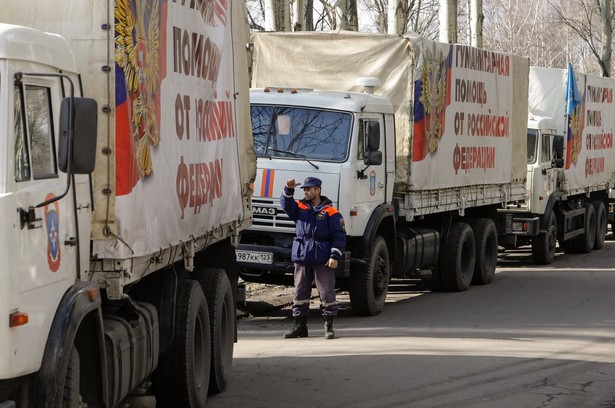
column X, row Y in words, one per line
column 325, row 283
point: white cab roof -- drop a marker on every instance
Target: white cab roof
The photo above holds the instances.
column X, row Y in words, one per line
column 337, row 100
column 541, row 123
column 28, row 44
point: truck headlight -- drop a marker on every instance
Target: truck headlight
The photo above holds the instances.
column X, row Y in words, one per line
column 519, row 226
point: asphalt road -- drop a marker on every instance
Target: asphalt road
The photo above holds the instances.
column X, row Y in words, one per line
column 535, row 337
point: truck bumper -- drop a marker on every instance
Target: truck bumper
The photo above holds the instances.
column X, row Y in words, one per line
column 259, row 259
column 268, row 264
column 514, row 226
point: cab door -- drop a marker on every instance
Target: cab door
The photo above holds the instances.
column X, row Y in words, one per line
column 40, row 259
column 545, row 174
column 370, row 165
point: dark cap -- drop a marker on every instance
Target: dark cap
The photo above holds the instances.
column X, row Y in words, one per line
column 311, row 182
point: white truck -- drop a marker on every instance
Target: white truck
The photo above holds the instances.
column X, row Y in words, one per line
column 419, row 164
column 122, row 208
column 570, row 164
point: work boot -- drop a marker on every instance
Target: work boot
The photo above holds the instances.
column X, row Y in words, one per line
column 299, row 329
column 329, row 333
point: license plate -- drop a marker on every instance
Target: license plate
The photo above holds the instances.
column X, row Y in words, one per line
column 256, row 257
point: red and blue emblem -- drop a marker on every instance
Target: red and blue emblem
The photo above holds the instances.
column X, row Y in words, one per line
column 52, row 222
column 267, row 183
column 372, row 183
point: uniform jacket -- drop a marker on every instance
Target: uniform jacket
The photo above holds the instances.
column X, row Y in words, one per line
column 320, row 230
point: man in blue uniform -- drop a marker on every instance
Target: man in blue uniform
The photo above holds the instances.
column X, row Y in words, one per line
column 318, row 246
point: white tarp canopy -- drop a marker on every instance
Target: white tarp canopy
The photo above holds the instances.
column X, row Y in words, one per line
column 588, row 130
column 460, row 112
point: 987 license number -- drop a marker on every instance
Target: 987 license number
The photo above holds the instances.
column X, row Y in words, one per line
column 256, row 257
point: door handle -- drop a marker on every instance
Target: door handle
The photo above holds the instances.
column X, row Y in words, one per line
column 28, row 218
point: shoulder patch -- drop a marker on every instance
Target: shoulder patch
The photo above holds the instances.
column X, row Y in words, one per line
column 330, row 210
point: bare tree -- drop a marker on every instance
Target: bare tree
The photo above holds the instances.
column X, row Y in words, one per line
column 476, row 23
column 448, row 21
column 528, row 28
column 341, row 14
column 607, row 35
column 256, row 14
column 584, row 17
column 309, row 15
column 419, row 16
column 397, row 16
column 299, row 15
column 277, row 15
column 353, row 15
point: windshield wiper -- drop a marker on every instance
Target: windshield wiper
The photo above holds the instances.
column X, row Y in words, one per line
column 295, row 155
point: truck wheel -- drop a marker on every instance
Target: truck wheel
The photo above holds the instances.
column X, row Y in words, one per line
column 486, row 239
column 221, row 305
column 71, row 397
column 600, row 211
column 458, row 258
column 182, row 377
column 585, row 242
column 543, row 245
column 370, row 283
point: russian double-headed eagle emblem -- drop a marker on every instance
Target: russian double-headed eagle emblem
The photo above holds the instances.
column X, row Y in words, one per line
column 433, row 96
column 137, row 28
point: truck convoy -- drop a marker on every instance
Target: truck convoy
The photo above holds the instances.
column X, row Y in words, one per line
column 570, row 162
column 121, row 208
column 419, row 163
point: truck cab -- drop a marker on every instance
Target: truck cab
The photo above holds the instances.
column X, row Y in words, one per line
column 344, row 138
column 550, row 214
column 544, row 161
column 40, row 241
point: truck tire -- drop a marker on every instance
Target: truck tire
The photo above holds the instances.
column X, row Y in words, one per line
column 370, row 282
column 221, row 306
column 486, row 239
column 458, row 258
column 601, row 221
column 182, row 376
column 71, row 397
column 543, row 245
column 585, row 242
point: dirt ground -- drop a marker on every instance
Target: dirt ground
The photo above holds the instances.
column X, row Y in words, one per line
column 260, row 298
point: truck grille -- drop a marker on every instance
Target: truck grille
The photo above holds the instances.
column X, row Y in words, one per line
column 267, row 215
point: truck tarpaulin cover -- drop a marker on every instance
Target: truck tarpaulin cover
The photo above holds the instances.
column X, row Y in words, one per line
column 589, row 127
column 174, row 144
column 177, row 170
column 460, row 112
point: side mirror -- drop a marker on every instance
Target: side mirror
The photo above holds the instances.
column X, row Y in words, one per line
column 373, row 136
column 84, row 130
column 372, row 158
column 372, row 155
column 558, row 152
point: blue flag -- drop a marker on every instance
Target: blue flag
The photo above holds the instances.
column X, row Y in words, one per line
column 572, row 92
column 573, row 99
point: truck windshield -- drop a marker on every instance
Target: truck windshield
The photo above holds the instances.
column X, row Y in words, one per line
column 532, row 146
column 300, row 133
